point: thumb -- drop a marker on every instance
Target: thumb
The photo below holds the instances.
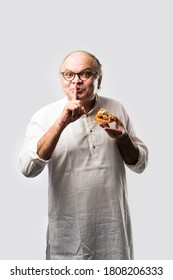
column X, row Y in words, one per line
column 119, row 124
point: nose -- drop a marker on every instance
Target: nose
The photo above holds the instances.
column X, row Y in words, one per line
column 76, row 79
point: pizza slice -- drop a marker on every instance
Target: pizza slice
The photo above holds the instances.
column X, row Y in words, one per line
column 104, row 117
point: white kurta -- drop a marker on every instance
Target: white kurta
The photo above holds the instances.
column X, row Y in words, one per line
column 89, row 216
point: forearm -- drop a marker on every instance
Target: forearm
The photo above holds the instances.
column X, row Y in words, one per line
column 46, row 145
column 49, row 140
column 128, row 149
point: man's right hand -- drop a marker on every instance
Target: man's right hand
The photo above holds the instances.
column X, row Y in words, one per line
column 72, row 111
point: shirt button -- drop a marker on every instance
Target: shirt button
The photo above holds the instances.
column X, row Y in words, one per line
column 94, row 147
column 91, row 130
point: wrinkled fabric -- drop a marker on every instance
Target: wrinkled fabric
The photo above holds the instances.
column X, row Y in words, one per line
column 88, row 212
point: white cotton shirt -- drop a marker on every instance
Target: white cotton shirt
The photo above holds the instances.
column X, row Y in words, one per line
column 88, row 212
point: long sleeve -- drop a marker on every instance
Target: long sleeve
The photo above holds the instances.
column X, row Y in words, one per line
column 142, row 162
column 116, row 108
column 29, row 162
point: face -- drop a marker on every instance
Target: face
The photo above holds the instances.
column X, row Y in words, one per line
column 84, row 90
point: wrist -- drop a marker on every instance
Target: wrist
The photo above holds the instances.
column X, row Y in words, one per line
column 122, row 134
column 60, row 124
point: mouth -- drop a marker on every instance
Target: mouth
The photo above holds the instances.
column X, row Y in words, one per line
column 78, row 90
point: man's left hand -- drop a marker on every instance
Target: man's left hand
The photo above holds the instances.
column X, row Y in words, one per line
column 116, row 132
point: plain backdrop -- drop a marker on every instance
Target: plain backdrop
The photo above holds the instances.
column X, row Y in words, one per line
column 133, row 39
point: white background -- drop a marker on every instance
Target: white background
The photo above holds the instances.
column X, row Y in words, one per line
column 133, row 41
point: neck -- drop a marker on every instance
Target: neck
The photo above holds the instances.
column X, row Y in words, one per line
column 89, row 105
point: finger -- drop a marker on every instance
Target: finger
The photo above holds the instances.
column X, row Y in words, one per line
column 76, row 110
column 74, row 94
column 119, row 125
column 105, row 125
column 114, row 118
column 83, row 110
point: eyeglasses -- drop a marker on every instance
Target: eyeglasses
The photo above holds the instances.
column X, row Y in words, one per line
column 84, row 75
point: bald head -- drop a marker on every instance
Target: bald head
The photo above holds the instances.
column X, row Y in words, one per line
column 76, row 56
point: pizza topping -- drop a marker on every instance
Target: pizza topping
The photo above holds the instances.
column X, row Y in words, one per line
column 103, row 117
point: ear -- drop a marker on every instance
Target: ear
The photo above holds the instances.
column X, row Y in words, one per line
column 99, row 82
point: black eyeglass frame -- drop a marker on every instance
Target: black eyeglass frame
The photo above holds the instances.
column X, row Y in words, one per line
column 78, row 74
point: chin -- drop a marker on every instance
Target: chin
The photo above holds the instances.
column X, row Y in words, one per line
column 87, row 98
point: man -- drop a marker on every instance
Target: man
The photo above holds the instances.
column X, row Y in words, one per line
column 88, row 208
